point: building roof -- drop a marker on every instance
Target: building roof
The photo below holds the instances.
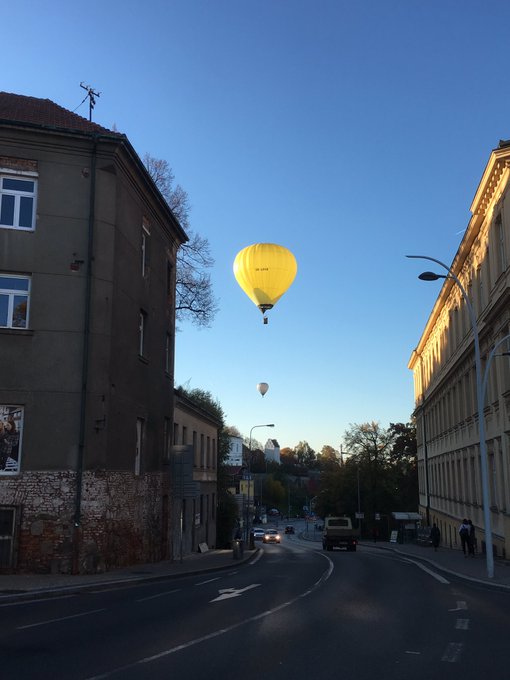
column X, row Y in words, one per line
column 18, row 108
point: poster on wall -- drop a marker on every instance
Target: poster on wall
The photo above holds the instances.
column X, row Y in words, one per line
column 11, row 430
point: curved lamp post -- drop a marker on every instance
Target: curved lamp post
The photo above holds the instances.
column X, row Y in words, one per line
column 247, row 531
column 481, row 384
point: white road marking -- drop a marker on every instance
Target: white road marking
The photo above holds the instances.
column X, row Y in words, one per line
column 219, row 632
column 453, row 652
column 410, row 652
column 227, row 593
column 63, row 618
column 461, row 605
column 152, row 597
column 462, row 624
column 438, row 577
column 39, row 600
column 202, row 583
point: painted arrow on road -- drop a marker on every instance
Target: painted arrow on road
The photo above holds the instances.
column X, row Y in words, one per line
column 227, row 593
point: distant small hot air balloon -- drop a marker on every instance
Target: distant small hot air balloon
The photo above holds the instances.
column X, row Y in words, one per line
column 262, row 388
column 265, row 271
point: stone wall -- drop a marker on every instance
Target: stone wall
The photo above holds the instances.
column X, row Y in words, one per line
column 121, row 520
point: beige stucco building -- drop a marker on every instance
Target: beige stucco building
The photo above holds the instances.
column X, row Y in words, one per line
column 444, row 372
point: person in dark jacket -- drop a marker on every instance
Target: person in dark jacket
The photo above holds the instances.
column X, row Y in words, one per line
column 464, row 536
column 435, row 536
column 472, row 539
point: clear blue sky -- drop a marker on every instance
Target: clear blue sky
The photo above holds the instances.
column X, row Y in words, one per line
column 350, row 132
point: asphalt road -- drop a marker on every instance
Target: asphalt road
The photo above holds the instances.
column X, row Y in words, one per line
column 296, row 613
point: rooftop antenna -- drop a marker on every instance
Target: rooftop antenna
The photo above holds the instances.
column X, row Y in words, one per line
column 91, row 94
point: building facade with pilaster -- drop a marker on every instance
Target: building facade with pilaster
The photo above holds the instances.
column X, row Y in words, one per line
column 445, row 384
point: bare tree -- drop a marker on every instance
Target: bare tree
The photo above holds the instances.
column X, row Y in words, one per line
column 195, row 300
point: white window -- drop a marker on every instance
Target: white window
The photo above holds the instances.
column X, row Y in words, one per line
column 17, row 201
column 14, row 297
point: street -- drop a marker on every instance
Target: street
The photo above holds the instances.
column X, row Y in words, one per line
column 295, row 612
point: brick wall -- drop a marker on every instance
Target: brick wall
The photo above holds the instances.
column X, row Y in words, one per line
column 121, row 521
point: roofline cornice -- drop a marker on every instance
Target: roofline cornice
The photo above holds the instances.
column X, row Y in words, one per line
column 116, row 138
column 498, row 162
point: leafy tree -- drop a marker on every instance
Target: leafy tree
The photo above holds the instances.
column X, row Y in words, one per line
column 370, row 445
column 258, row 460
column 328, row 458
column 405, row 465
column 289, row 462
column 274, row 491
column 195, row 300
column 232, row 431
column 404, row 442
column 305, row 455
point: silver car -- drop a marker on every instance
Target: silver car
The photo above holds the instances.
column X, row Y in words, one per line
column 271, row 536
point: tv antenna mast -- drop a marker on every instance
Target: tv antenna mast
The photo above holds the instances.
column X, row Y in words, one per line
column 91, row 94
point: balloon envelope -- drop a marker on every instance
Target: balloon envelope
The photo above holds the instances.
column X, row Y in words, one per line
column 262, row 388
column 265, row 271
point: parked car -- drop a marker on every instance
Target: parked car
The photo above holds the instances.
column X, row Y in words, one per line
column 258, row 533
column 289, row 529
column 271, row 536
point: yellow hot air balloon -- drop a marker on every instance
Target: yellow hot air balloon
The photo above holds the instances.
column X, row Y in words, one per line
column 265, row 271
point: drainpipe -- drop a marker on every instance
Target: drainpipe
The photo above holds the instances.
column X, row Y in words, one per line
column 85, row 364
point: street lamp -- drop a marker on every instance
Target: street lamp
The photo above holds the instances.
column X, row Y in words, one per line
column 247, row 531
column 481, row 383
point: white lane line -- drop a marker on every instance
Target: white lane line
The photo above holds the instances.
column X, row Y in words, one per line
column 221, row 631
column 39, row 600
column 256, row 558
column 410, row 652
column 438, row 577
column 452, row 652
column 462, row 624
column 153, row 597
column 461, row 605
column 63, row 618
column 202, row 583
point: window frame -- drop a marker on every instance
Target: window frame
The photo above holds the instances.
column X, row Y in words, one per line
column 18, row 195
column 11, row 294
column 145, row 249
column 142, row 333
column 139, row 449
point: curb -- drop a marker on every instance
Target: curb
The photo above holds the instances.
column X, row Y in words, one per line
column 41, row 593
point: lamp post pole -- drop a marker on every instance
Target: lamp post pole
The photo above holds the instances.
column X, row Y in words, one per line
column 247, row 530
column 480, row 395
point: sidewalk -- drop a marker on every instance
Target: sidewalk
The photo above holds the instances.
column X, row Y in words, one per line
column 446, row 560
column 28, row 586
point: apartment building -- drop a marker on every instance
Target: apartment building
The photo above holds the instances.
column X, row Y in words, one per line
column 87, row 318
column 444, row 372
column 194, row 461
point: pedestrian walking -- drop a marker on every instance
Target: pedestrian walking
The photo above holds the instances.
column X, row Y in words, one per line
column 472, row 539
column 435, row 536
column 464, row 536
